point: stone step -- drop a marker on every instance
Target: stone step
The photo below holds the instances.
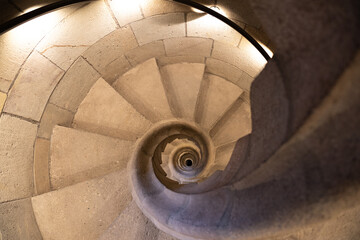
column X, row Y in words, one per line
column 182, row 81
column 143, row 88
column 105, row 112
column 131, row 225
column 234, row 124
column 77, row 156
column 217, row 96
column 84, row 210
column 223, row 155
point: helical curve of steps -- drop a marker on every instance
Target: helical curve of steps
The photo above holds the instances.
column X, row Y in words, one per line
column 182, row 138
column 151, row 123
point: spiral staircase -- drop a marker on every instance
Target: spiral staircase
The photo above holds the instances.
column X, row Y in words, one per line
column 151, row 123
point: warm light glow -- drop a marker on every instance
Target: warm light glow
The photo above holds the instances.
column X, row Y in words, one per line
column 271, row 54
column 33, row 30
column 32, row 8
column 196, row 10
column 126, row 11
column 218, row 10
column 254, row 59
column 127, row 5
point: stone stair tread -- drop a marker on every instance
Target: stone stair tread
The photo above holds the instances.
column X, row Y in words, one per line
column 218, row 95
column 235, row 124
column 77, row 156
column 105, row 112
column 183, row 80
column 223, row 155
column 142, row 86
column 131, row 225
column 84, row 210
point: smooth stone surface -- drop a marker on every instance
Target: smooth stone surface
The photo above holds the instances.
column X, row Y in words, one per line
column 246, row 57
column 269, row 121
column 316, row 189
column 159, row 27
column 188, row 46
column 74, row 86
column 78, row 156
column 105, row 112
column 3, row 97
column 84, row 210
column 235, row 124
column 126, row 11
column 32, row 88
column 218, row 95
column 310, row 63
column 107, row 55
column 16, row 158
column 131, row 225
column 142, row 87
column 17, row 221
column 245, row 81
column 41, row 166
column 162, row 61
column 17, row 44
column 70, row 38
column 223, row 155
column 182, row 82
column 140, row 54
column 52, row 116
column 206, row 26
column 224, row 70
column 4, row 85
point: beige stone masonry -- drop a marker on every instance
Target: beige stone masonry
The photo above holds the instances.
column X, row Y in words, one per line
column 188, row 46
column 156, row 7
column 131, row 225
column 16, row 158
column 252, row 58
column 125, row 11
column 245, row 58
column 17, row 44
column 245, row 82
column 141, row 54
column 223, row 155
column 183, row 82
column 77, row 156
column 17, row 221
column 107, row 55
column 206, row 26
column 218, row 95
column 236, row 123
column 72, row 37
column 164, row 236
column 52, row 116
column 143, row 88
column 159, row 27
column 84, row 210
column 41, row 166
column 3, row 97
column 33, row 87
column 105, row 112
column 4, row 85
column 74, row 86
column 162, row 61
column 224, row 70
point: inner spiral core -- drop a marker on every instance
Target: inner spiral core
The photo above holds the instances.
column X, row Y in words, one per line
column 180, row 153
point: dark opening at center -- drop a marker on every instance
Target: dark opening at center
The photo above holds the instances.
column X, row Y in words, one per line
column 188, row 162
